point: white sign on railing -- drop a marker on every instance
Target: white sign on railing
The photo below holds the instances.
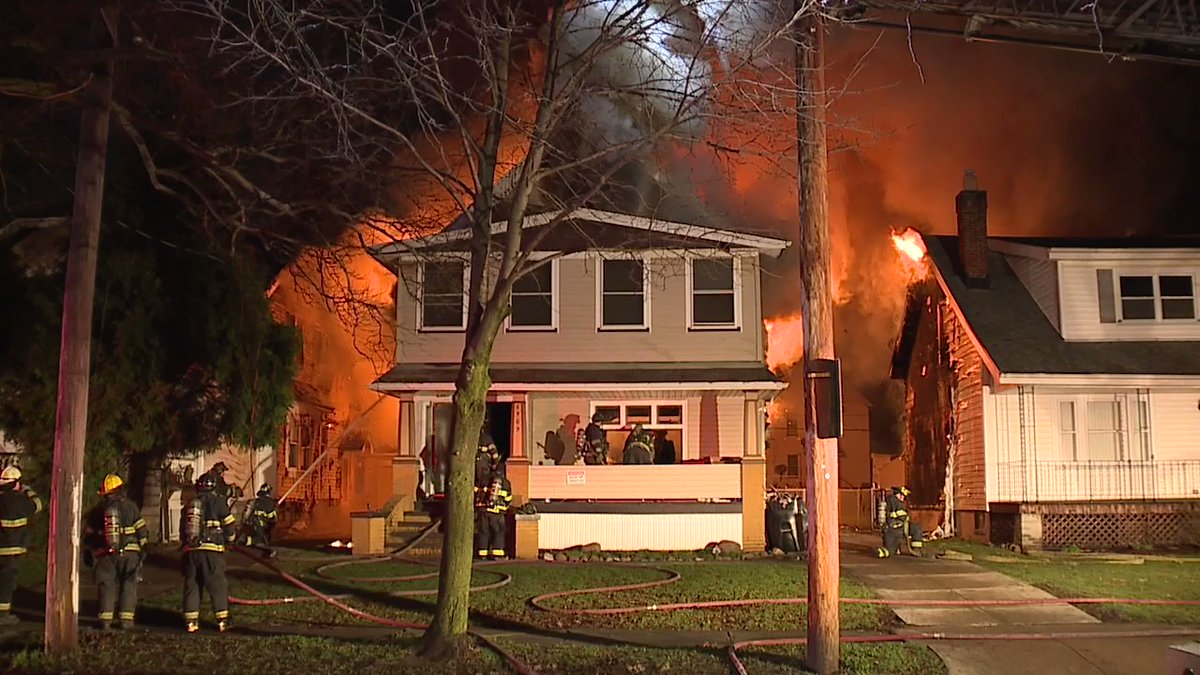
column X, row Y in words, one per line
column 576, row 478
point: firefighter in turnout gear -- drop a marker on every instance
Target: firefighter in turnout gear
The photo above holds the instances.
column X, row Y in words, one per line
column 17, row 505
column 259, row 520
column 638, row 447
column 115, row 535
column 594, row 447
column 208, row 527
column 898, row 526
column 230, row 493
column 493, row 495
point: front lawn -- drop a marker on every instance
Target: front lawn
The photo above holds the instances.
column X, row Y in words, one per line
column 1069, row 576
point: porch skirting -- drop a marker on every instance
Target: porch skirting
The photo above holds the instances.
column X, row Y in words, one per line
column 637, row 527
column 1103, row 525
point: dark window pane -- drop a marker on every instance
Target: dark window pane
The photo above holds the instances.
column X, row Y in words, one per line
column 1137, row 287
column 609, row 414
column 623, row 310
column 623, row 275
column 443, row 278
column 670, row 414
column 714, row 275
column 1175, row 287
column 1137, row 309
column 1179, row 308
column 712, row 309
column 442, row 315
column 637, row 414
column 531, row 310
column 537, row 281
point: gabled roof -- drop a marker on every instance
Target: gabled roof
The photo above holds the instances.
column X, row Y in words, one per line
column 1016, row 338
column 594, row 229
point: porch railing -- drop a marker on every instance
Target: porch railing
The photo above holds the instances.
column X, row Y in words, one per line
column 1089, row 481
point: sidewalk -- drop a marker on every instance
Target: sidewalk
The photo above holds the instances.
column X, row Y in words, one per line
column 932, row 579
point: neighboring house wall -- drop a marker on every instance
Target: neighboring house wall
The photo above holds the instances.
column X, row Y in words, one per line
column 1041, row 278
column 1059, row 444
column 1081, row 288
column 577, row 338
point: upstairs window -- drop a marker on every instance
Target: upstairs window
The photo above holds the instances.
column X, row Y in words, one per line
column 1157, row 297
column 713, row 298
column 444, row 295
column 533, row 302
column 623, row 301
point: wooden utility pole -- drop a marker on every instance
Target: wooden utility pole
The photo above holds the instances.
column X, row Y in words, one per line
column 70, row 430
column 821, row 487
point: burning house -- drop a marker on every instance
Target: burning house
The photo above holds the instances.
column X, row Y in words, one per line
column 1052, row 387
column 636, row 320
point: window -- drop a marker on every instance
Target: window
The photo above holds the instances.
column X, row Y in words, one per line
column 1164, row 297
column 305, row 438
column 443, row 296
column 1104, row 430
column 714, row 301
column 1068, row 438
column 533, row 300
column 793, row 465
column 791, row 428
column 664, row 419
column 623, row 294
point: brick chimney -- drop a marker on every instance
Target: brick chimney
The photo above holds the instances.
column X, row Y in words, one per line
column 971, row 206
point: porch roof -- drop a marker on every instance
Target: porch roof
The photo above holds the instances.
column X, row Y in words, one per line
column 589, row 376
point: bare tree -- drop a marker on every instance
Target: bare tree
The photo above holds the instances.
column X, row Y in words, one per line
column 497, row 111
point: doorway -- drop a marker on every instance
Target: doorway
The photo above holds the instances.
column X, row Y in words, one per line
column 499, row 425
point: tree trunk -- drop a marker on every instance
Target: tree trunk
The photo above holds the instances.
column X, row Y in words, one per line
column 70, row 432
column 152, row 501
column 445, row 635
column 821, row 493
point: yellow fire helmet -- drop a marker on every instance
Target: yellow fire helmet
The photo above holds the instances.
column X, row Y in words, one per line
column 10, row 474
column 112, row 483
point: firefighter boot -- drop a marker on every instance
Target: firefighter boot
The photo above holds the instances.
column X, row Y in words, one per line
column 193, row 626
column 223, row 625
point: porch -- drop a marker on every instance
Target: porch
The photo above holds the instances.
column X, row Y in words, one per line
column 1129, row 480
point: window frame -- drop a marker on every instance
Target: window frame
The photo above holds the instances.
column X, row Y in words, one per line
column 644, row 327
column 1156, row 298
column 736, row 325
column 621, row 425
column 462, row 327
column 554, row 306
column 1135, row 436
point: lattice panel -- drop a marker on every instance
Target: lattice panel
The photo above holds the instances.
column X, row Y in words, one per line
column 1112, row 530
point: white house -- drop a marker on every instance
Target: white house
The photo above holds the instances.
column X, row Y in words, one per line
column 635, row 318
column 1054, row 386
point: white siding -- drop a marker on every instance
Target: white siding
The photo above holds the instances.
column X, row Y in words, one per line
column 577, row 339
column 1026, row 461
column 691, row 420
column 1081, row 304
column 1041, row 278
column 637, row 482
column 636, row 532
column 731, row 425
column 1175, row 425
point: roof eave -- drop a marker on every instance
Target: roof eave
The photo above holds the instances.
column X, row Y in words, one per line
column 1098, row 379
column 760, row 385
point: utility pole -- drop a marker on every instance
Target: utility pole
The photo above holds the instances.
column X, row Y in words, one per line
column 70, row 430
column 821, row 493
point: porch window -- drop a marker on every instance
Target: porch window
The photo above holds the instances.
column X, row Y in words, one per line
column 623, row 301
column 618, row 419
column 714, row 293
column 1104, row 430
column 444, row 295
column 533, row 301
column 1068, row 435
column 1164, row 297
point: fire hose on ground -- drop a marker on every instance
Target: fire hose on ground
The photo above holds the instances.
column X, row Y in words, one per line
column 673, row 577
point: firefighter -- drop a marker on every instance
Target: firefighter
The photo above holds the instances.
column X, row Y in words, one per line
column 493, row 495
column 208, row 527
column 17, row 505
column 116, row 537
column 595, row 442
column 638, row 447
column 259, row 520
column 226, row 491
column 898, row 526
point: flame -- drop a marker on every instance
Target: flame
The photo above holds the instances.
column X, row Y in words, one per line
column 785, row 342
column 911, row 248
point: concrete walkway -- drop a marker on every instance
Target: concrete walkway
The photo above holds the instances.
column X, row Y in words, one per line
column 1019, row 648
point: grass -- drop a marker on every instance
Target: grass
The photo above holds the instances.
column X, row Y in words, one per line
column 510, row 603
column 1080, row 577
column 153, row 653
